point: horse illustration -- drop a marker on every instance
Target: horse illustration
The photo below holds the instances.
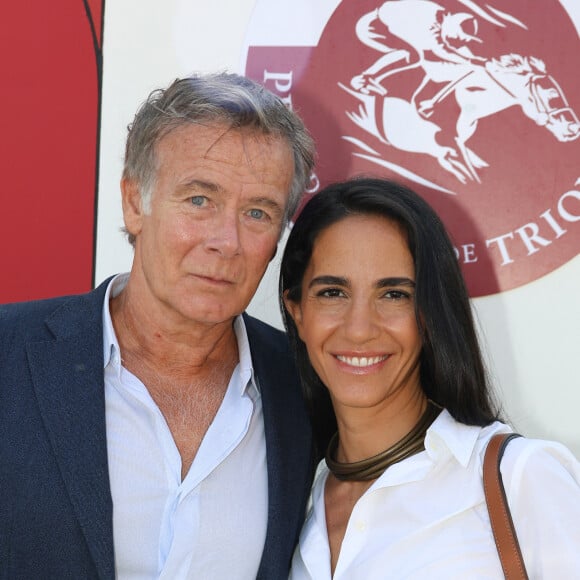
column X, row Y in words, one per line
column 511, row 80
column 481, row 90
column 401, row 126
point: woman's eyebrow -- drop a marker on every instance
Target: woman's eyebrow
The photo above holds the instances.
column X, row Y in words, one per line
column 331, row 280
column 395, row 281
column 341, row 281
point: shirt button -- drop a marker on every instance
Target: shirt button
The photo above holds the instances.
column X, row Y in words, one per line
column 361, row 526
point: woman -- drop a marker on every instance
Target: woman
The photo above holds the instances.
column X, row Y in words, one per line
column 379, row 317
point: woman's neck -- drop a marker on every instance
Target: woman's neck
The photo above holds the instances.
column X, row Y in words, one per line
column 363, row 433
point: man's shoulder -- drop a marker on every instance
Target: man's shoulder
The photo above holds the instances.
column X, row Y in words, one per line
column 26, row 318
column 18, row 311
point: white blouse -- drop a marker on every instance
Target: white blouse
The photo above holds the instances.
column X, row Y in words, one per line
column 426, row 517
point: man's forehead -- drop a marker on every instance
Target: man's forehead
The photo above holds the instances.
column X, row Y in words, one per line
column 213, row 153
column 207, row 137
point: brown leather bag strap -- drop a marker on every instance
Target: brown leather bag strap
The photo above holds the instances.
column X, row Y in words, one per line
column 502, row 525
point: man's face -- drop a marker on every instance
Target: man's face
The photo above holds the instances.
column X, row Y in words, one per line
column 217, row 209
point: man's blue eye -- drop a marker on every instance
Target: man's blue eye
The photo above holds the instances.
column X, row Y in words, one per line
column 256, row 214
column 198, row 200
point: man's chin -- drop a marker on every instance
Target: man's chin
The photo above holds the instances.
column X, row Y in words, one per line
column 210, row 315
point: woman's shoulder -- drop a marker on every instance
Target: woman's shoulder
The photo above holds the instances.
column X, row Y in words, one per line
column 527, row 453
column 523, row 455
column 526, row 459
column 531, row 467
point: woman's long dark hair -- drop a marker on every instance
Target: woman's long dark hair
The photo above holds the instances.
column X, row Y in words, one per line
column 452, row 372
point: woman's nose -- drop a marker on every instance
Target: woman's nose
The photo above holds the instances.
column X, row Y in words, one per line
column 360, row 321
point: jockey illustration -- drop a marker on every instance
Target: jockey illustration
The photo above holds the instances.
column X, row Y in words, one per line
column 413, row 33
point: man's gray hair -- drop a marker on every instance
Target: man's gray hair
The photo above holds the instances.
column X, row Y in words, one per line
column 223, row 98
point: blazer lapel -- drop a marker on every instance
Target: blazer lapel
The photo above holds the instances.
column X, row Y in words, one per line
column 288, row 449
column 68, row 379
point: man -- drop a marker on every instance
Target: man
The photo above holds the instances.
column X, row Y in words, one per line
column 148, row 429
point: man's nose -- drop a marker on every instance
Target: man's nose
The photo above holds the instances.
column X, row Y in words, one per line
column 224, row 236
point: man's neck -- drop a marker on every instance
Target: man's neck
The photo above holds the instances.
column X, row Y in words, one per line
column 154, row 336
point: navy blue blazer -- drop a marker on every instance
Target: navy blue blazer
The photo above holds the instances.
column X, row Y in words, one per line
column 55, row 499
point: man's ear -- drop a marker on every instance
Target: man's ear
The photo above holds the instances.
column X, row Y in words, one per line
column 295, row 311
column 274, row 253
column 132, row 206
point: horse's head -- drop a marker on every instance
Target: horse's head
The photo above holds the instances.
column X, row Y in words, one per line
column 537, row 93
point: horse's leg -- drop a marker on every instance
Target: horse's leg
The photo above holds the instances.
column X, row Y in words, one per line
column 466, row 158
column 465, row 128
column 475, row 159
column 407, row 131
column 447, row 160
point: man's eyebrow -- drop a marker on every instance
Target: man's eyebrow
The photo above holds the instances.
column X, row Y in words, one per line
column 268, row 202
column 200, row 184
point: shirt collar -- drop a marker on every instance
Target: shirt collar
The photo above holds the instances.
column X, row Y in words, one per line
column 112, row 352
column 245, row 356
column 446, row 436
column 445, row 439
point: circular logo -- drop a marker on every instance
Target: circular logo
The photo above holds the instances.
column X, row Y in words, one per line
column 472, row 104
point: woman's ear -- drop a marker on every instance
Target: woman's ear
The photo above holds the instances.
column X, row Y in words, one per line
column 295, row 311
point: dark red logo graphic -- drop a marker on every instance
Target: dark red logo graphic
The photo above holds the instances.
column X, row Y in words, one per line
column 474, row 105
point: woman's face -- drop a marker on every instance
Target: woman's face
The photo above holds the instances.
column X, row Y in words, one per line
column 356, row 315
